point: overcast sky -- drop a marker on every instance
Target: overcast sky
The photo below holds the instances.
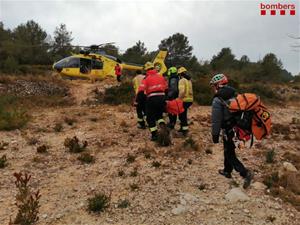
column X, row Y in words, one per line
column 209, row 25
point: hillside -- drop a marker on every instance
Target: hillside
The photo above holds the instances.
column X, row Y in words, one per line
column 163, row 185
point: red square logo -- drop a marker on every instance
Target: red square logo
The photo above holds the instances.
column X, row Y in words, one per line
column 292, row 12
column 273, row 12
column 263, row 12
column 282, row 12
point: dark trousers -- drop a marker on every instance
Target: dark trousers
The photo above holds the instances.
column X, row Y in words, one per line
column 230, row 160
column 141, row 106
column 119, row 78
column 155, row 107
column 183, row 116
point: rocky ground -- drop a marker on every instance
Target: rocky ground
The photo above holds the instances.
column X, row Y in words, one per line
column 184, row 189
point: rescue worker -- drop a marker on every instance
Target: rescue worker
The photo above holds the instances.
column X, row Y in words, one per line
column 186, row 94
column 140, row 99
column 172, row 92
column 154, row 87
column 118, row 72
column 222, row 119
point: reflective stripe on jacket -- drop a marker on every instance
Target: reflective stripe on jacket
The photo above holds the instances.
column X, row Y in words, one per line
column 186, row 90
column 137, row 82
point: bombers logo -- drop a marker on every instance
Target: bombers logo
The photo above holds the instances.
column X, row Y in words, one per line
column 277, row 9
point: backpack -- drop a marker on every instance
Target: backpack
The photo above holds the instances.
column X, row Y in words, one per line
column 175, row 107
column 251, row 116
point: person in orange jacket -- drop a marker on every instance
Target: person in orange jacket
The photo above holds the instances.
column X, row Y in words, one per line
column 154, row 87
column 118, row 72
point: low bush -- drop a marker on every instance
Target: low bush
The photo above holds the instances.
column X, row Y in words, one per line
column 70, row 121
column 117, row 95
column 58, row 127
column 74, row 145
column 86, row 157
column 42, row 149
column 202, row 91
column 11, row 116
column 3, row 162
column 99, row 203
column 264, row 91
column 156, row 164
column 130, row 158
column 27, row 201
column 123, row 204
column 270, row 155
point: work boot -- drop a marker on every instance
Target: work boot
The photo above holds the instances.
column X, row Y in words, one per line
column 248, row 179
column 141, row 125
column 225, row 174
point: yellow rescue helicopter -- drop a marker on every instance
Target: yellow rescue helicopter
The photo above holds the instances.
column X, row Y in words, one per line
column 91, row 63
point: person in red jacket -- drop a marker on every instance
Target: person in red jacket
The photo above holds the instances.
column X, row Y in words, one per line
column 118, row 72
column 154, row 87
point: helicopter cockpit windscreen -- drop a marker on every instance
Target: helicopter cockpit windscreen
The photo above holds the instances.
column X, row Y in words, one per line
column 69, row 62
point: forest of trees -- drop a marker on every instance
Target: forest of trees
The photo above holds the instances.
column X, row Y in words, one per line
column 29, row 44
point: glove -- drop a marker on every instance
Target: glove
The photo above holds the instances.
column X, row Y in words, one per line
column 215, row 139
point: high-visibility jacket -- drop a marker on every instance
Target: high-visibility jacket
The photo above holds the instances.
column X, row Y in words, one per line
column 153, row 83
column 118, row 70
column 186, row 90
column 137, row 82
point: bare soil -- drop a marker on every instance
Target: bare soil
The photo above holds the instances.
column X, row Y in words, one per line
column 187, row 177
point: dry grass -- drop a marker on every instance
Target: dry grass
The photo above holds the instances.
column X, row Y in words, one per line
column 281, row 129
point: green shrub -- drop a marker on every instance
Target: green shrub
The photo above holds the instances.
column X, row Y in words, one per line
column 86, row 158
column 124, row 204
column 202, row 91
column 270, row 155
column 42, row 149
column 156, row 164
column 27, row 201
column 58, row 127
column 130, row 158
column 70, row 121
column 74, row 145
column 3, row 162
column 11, row 116
column 117, row 95
column 134, row 173
column 98, row 203
column 262, row 90
column 271, row 180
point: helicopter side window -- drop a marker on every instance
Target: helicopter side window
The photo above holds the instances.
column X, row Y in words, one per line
column 97, row 65
column 73, row 63
column 85, row 65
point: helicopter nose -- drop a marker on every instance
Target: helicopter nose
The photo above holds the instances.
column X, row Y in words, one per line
column 57, row 67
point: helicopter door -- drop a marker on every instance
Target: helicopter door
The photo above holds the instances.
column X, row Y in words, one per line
column 85, row 66
column 97, row 68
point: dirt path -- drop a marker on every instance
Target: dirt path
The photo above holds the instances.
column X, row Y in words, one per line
column 185, row 189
